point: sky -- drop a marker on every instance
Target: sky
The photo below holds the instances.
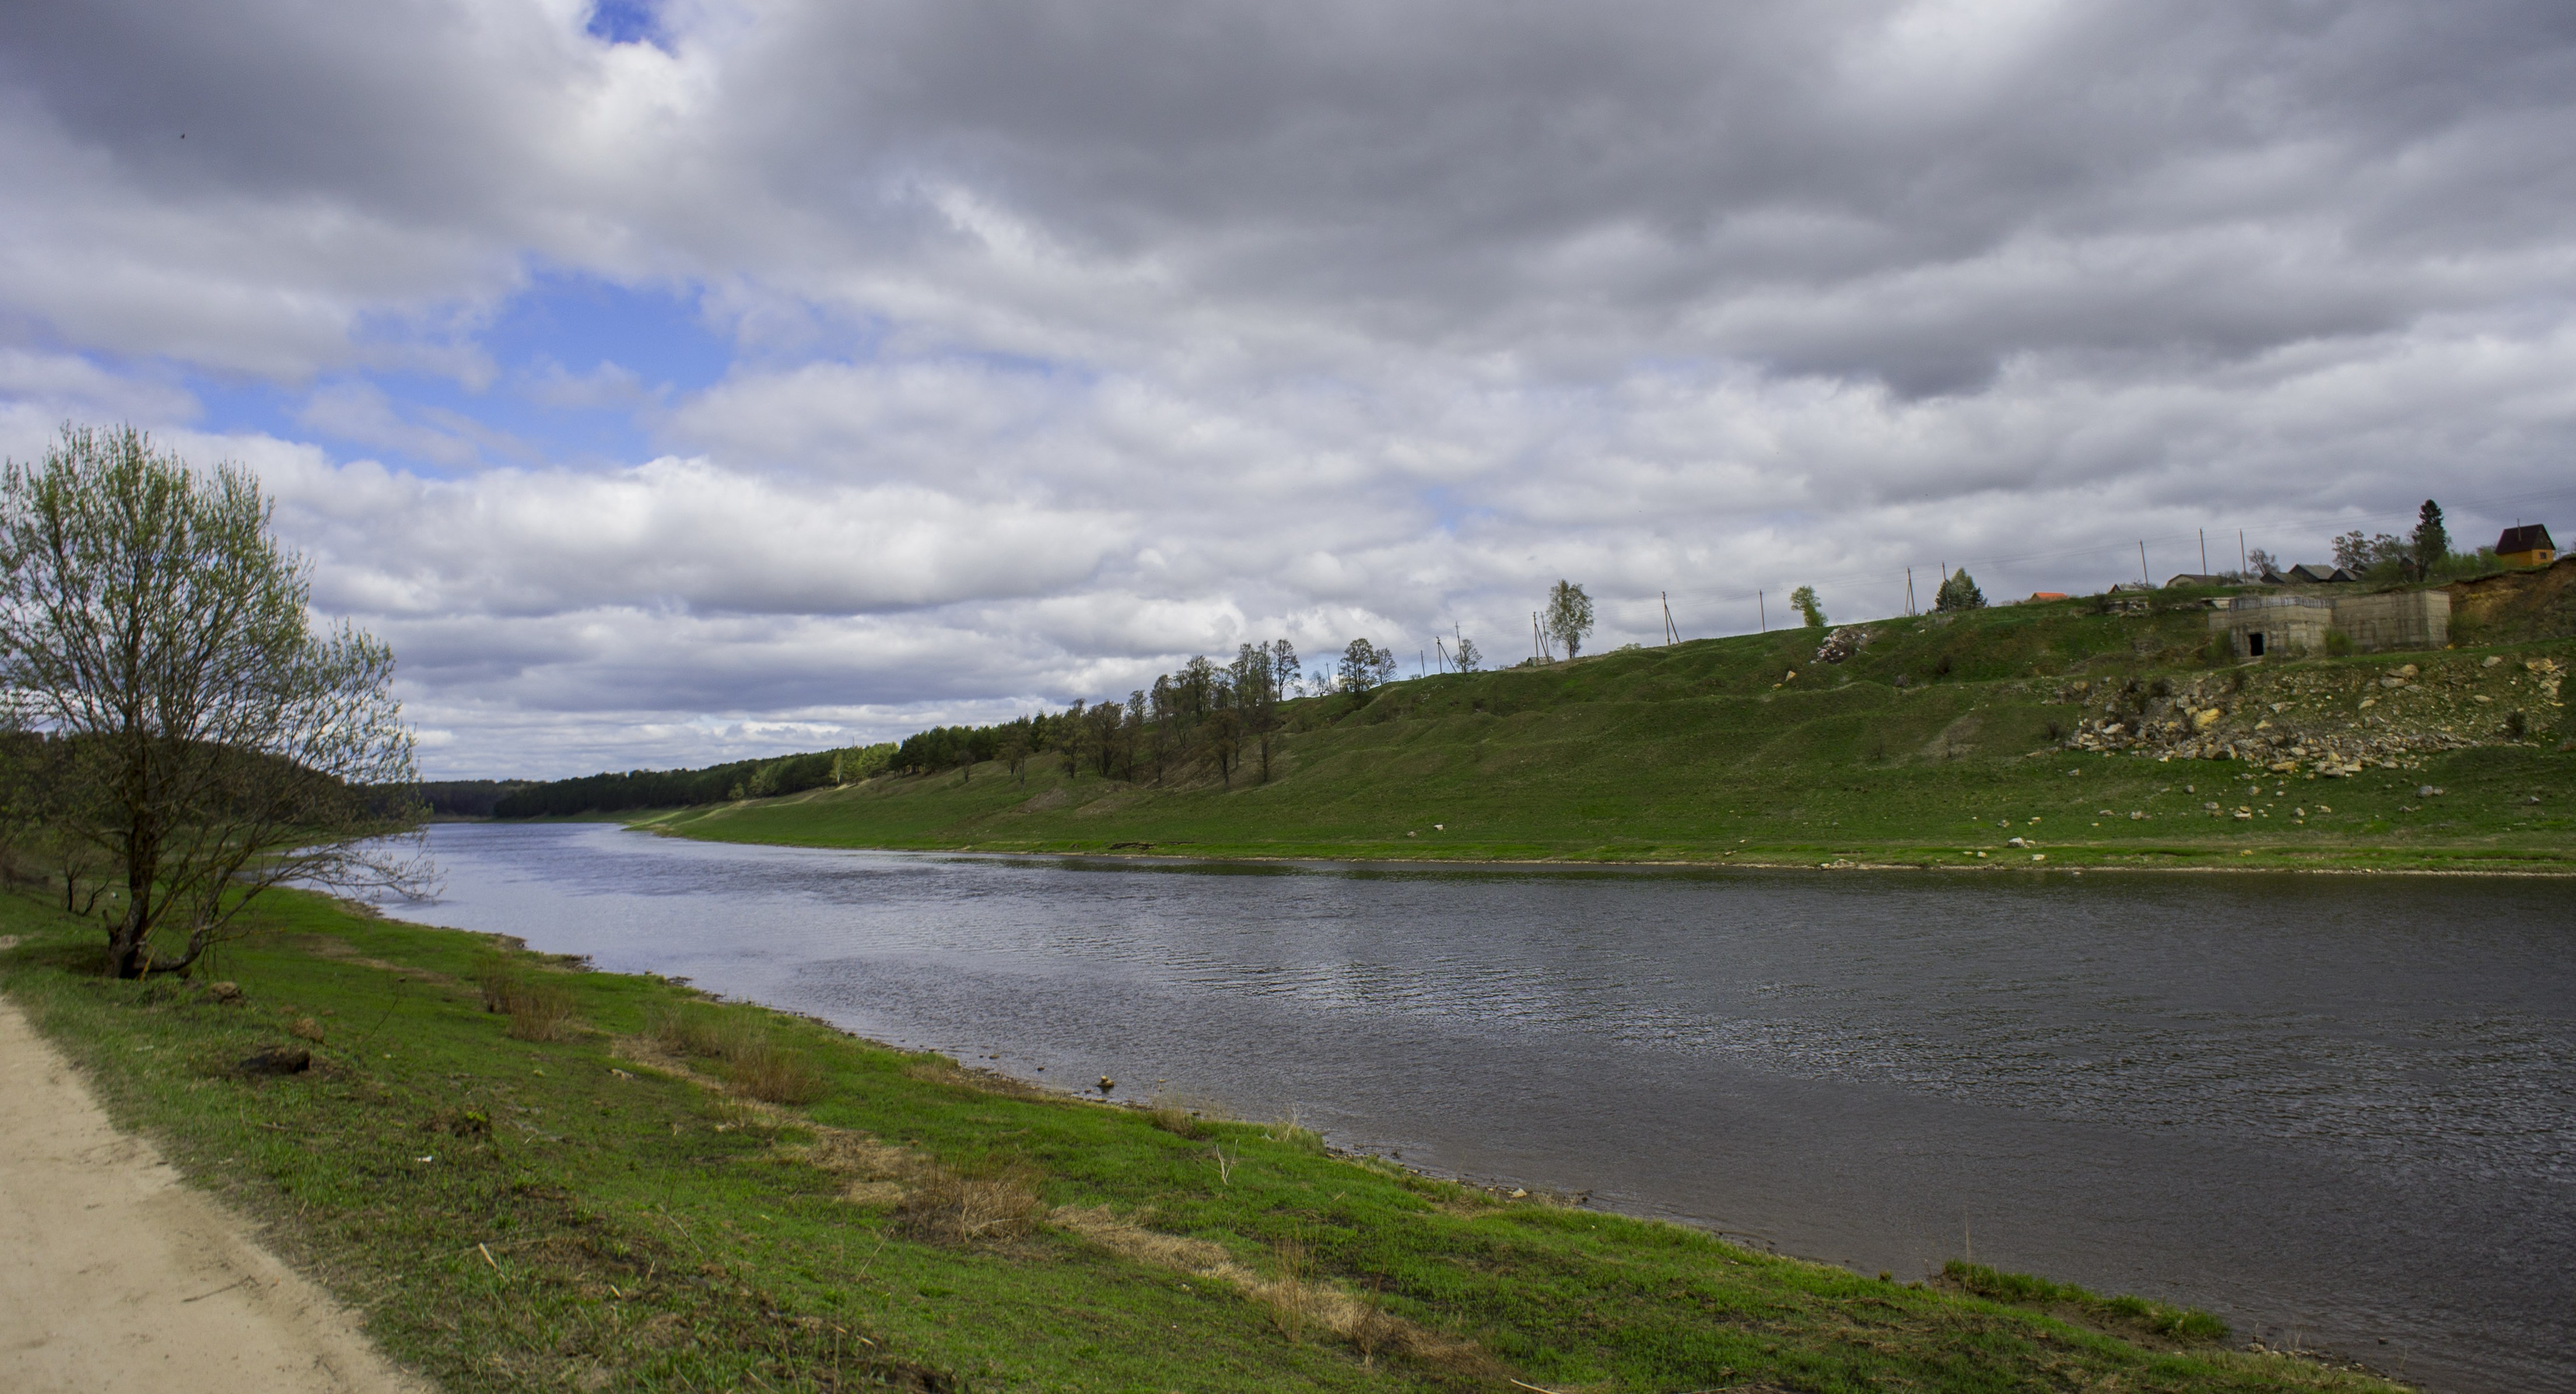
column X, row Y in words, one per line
column 689, row 381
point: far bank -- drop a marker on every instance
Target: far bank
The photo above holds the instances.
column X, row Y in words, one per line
column 2050, row 735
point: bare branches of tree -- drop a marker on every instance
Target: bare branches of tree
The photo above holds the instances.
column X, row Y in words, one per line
column 211, row 745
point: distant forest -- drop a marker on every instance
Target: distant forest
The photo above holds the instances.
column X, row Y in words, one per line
column 1208, row 717
column 466, row 798
column 741, row 779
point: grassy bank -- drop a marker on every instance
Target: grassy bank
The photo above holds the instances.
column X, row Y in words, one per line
column 529, row 1176
column 2056, row 732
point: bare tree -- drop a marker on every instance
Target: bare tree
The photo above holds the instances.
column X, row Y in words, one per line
column 1165, row 701
column 1256, row 696
column 1286, row 674
column 1569, row 617
column 214, row 745
column 1468, row 658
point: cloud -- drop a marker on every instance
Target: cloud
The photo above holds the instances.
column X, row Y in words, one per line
column 604, row 386
column 1066, row 343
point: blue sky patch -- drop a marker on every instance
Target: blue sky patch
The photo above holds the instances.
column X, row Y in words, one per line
column 624, row 22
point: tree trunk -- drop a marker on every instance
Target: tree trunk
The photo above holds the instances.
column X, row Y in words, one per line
column 125, row 942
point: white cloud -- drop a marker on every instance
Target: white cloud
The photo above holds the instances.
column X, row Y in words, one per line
column 1067, row 344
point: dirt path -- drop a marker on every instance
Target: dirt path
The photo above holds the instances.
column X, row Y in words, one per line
column 115, row 1276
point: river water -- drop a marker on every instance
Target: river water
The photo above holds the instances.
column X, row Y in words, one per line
column 2338, row 1111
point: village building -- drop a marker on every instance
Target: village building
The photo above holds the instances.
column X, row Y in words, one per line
column 2308, row 574
column 2526, row 545
column 2264, row 626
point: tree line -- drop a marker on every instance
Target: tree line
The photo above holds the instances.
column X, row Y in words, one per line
column 1211, row 718
column 736, row 779
column 1220, row 717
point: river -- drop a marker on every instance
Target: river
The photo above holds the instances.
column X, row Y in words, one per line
column 2334, row 1110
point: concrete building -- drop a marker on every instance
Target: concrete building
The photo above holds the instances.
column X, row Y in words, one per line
column 2261, row 626
column 2526, row 545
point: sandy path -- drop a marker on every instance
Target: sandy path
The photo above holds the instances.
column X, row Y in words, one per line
column 115, row 1276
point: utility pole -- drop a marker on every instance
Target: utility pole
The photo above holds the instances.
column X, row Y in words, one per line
column 2142, row 565
column 2204, row 551
column 1762, row 610
column 1672, row 633
column 2240, row 551
column 1538, row 646
column 1909, row 590
column 1422, row 663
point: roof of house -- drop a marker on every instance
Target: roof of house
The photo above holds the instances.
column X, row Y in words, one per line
column 2530, row 537
column 2194, row 578
column 2308, row 573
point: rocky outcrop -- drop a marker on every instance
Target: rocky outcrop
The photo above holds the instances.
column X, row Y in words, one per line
column 2330, row 719
column 1844, row 642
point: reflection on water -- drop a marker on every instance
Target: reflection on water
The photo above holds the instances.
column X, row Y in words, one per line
column 2332, row 1109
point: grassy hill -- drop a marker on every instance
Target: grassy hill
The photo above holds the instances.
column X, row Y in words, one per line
column 2092, row 736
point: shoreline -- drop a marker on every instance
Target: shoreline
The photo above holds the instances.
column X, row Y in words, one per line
column 1498, row 1191
column 615, row 1179
column 1983, row 865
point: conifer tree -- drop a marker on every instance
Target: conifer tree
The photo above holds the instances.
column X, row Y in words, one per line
column 2432, row 541
column 1959, row 592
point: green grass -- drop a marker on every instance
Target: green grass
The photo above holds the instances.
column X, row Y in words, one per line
column 1708, row 752
column 592, row 1207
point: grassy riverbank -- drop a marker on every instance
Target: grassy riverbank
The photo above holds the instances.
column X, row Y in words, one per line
column 529, row 1176
column 2048, row 731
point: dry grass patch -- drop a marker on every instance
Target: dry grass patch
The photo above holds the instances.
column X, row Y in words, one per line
column 875, row 1195
column 1100, row 1225
column 980, row 1081
column 1301, row 1299
column 538, row 1011
column 952, row 1207
column 1293, row 1131
column 755, row 1065
column 1182, row 1116
column 775, row 1074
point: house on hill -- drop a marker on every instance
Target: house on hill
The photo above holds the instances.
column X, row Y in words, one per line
column 2307, row 574
column 2526, row 545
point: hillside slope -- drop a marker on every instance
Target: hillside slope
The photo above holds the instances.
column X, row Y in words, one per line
column 2063, row 732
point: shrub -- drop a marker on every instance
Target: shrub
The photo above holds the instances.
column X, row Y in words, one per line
column 775, row 1074
column 541, row 1012
column 538, row 1011
column 694, row 1028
